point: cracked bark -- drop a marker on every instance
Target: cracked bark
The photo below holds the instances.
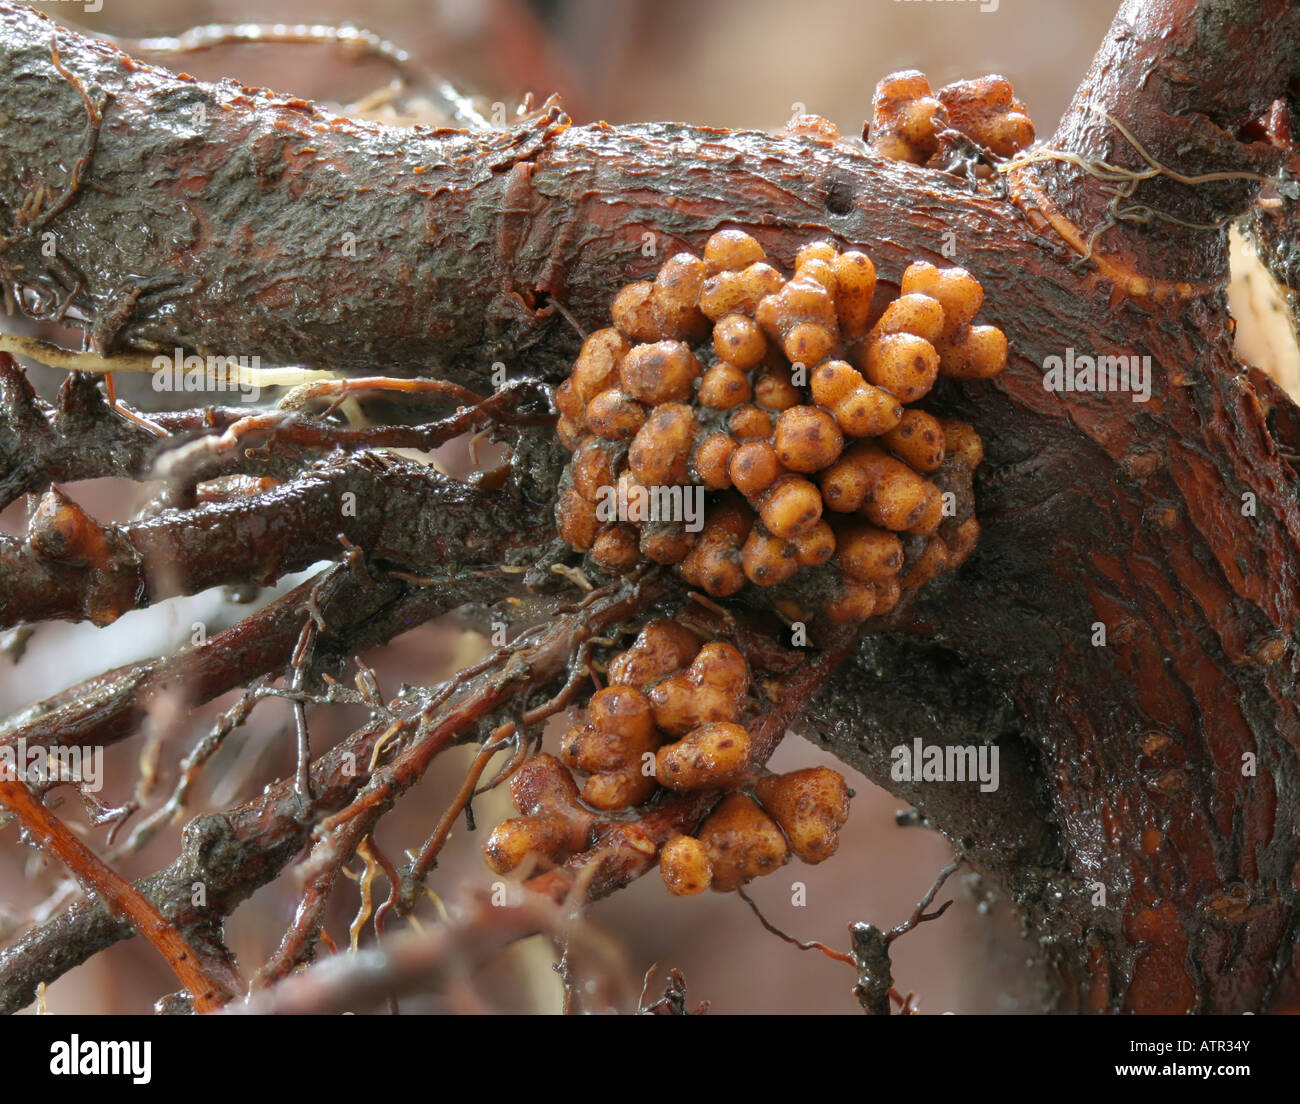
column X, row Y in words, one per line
column 1094, row 509
column 400, row 512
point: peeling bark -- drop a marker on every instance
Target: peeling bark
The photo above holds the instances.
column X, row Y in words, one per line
column 1126, row 760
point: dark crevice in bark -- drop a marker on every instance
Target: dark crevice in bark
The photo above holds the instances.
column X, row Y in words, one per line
column 1123, row 762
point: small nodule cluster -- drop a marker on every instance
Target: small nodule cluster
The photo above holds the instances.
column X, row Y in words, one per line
column 669, row 718
column 554, row 823
column 749, row 835
column 909, row 120
column 782, row 404
column 666, row 718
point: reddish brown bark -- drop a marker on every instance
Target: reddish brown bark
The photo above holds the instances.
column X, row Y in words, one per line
column 1095, row 509
column 209, row 982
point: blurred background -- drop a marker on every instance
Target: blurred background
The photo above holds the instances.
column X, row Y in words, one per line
column 717, row 62
column 736, row 63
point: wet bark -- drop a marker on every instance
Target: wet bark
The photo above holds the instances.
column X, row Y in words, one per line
column 1173, row 523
